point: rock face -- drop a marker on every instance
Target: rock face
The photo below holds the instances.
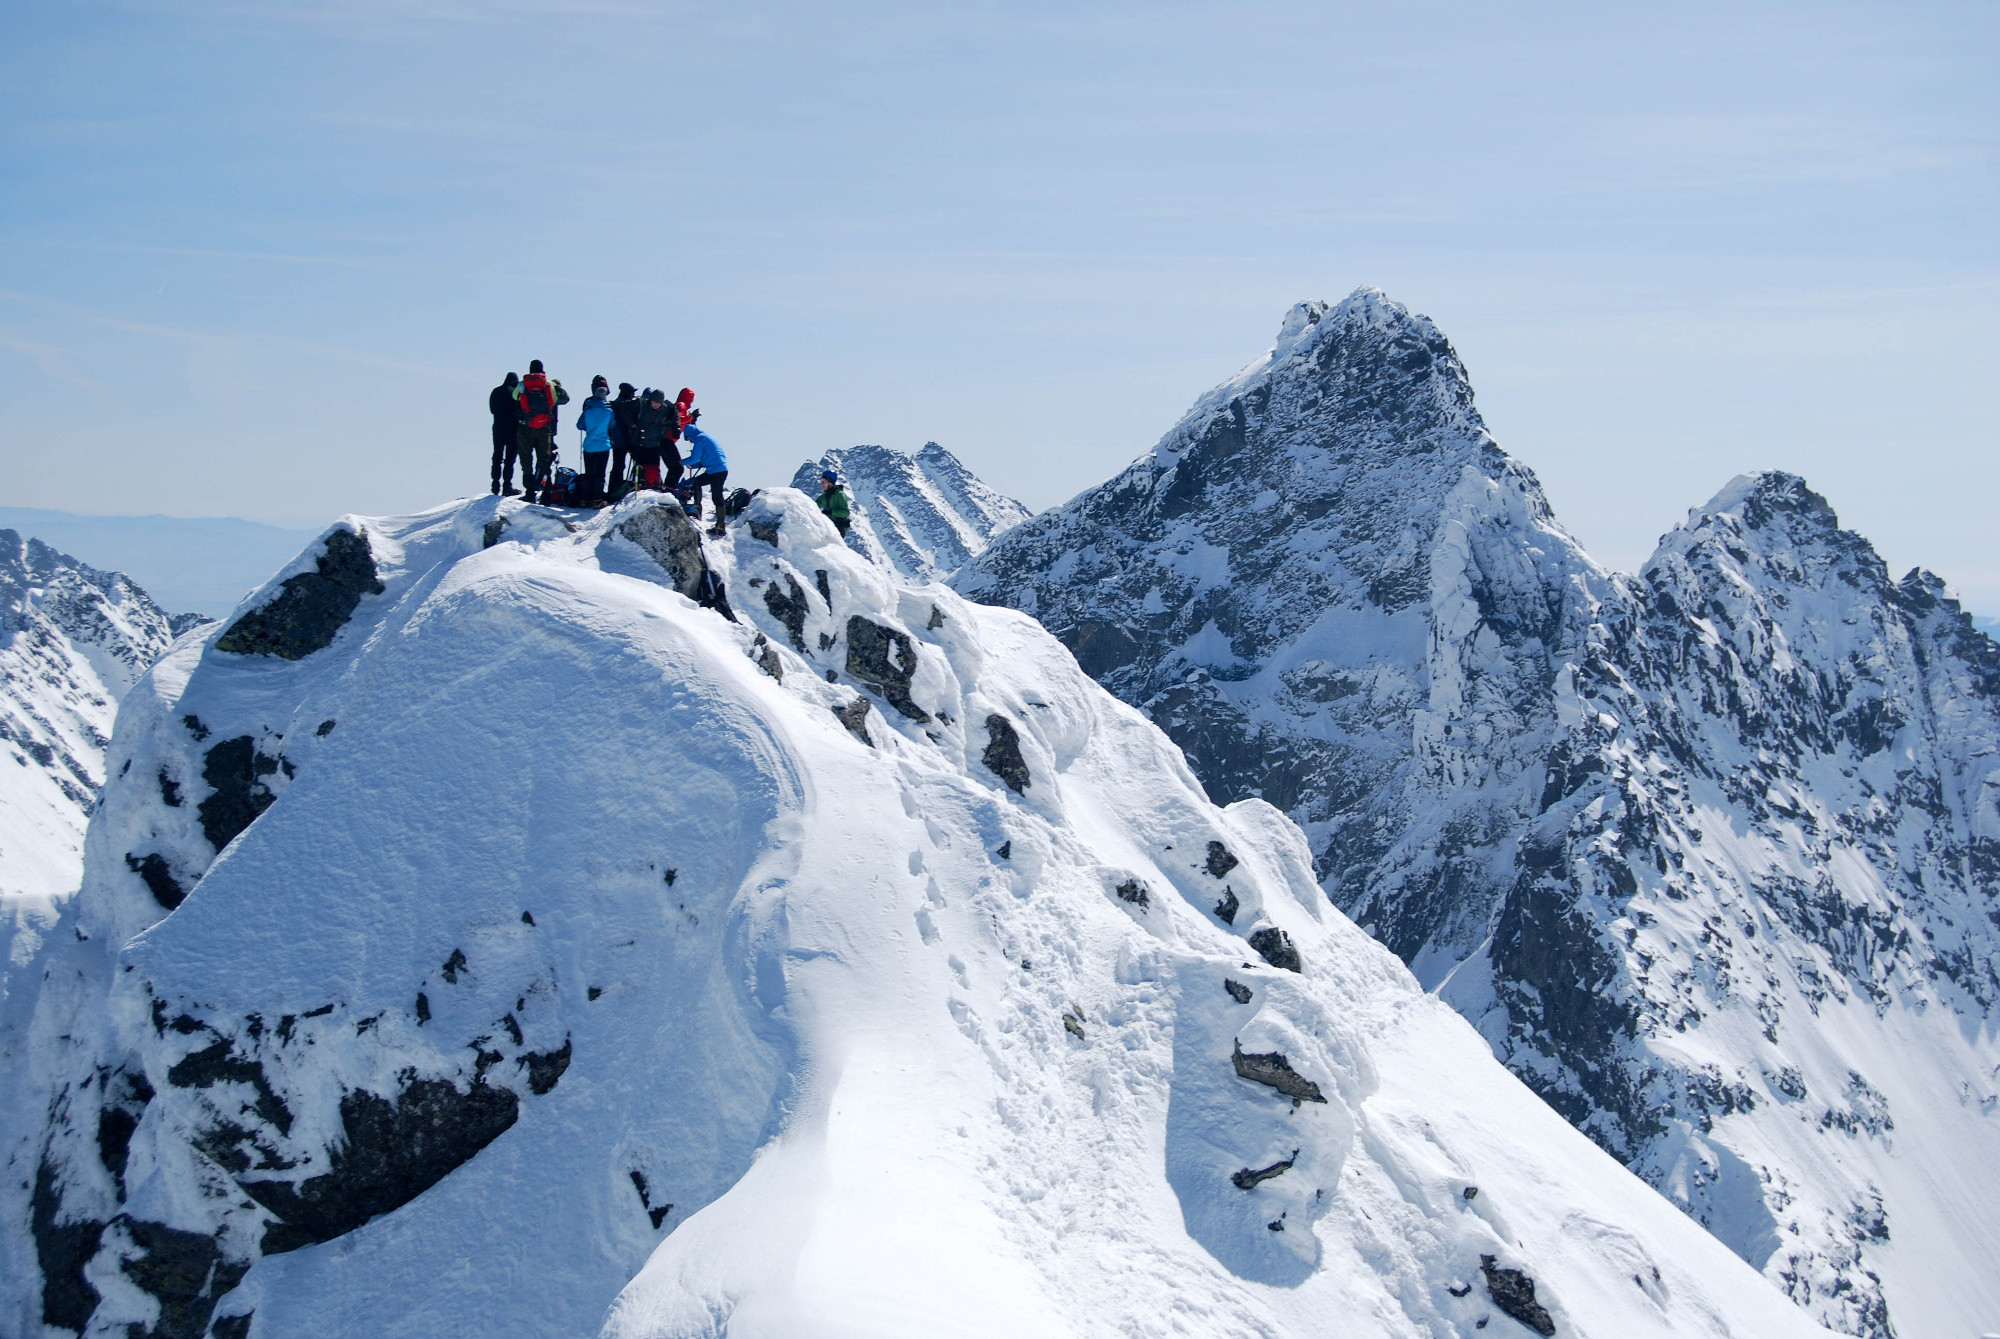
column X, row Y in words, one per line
column 729, row 1019
column 72, row 641
column 922, row 515
column 1708, row 854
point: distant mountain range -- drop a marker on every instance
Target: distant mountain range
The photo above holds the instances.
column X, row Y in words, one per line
column 923, row 514
column 1710, row 853
column 201, row 565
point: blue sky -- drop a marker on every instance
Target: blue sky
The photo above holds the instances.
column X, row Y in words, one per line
column 266, row 260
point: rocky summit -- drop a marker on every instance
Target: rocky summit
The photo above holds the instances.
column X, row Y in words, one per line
column 1708, row 854
column 921, row 515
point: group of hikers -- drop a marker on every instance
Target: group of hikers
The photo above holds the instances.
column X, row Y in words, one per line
column 637, row 437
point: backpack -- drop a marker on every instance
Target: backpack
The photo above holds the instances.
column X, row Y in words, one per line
column 538, row 407
column 681, row 404
column 561, row 492
column 736, row 502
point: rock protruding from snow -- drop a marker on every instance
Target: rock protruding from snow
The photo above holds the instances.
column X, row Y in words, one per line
column 1709, row 855
column 72, row 641
column 586, row 938
column 922, row 515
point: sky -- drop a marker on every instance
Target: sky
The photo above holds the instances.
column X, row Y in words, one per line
column 266, row 260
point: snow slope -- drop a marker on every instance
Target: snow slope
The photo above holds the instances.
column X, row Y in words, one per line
column 552, row 953
column 72, row 641
column 1707, row 853
column 923, row 515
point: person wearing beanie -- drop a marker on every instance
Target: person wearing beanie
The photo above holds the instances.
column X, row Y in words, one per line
column 505, row 439
column 595, row 421
column 536, row 400
column 833, row 501
column 624, row 428
column 656, row 432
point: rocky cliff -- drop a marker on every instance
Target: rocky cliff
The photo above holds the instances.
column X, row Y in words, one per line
column 1706, row 853
column 923, row 515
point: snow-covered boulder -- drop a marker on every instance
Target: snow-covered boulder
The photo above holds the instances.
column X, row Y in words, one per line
column 593, row 928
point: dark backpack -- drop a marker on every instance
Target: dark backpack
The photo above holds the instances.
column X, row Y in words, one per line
column 736, row 502
column 561, row 492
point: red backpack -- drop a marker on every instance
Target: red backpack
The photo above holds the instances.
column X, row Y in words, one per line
column 538, row 406
column 681, row 404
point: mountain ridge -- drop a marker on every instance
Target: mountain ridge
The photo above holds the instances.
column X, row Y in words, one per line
column 1551, row 788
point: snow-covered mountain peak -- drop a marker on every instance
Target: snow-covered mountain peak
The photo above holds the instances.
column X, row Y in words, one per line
column 1652, row 833
column 73, row 640
column 921, row 515
column 757, row 942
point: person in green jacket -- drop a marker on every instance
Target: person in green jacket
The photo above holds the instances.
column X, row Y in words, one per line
column 833, row 501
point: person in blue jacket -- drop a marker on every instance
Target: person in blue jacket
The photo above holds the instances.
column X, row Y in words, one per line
column 595, row 422
column 703, row 453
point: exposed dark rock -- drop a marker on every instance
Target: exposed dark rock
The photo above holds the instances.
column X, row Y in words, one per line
column 235, row 770
column 825, row 591
column 766, row 529
column 232, row 1327
column 1471, row 1192
column 1220, row 860
column 218, row 1063
column 325, row 728
column 1237, row 990
column 174, row 1267
column 1273, row 1070
column 1275, row 947
column 886, row 660
column 126, row 1094
column 855, row 717
column 393, row 1150
column 62, row 1249
column 670, row 539
column 195, row 727
column 657, row 1213
column 936, row 619
column 1250, row 1179
column 492, row 532
column 1003, row 754
column 1073, row 1024
column 593, row 992
column 1228, row 905
column 453, row 966
column 545, row 1067
column 1514, row 1293
column 789, row 608
column 423, row 1008
column 1135, row 892
column 170, row 790
column 159, row 879
column 766, row 656
column 310, row 608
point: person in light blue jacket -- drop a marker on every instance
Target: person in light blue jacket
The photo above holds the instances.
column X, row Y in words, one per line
column 594, row 421
column 703, row 453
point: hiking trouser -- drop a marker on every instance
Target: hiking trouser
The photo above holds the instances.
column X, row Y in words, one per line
column 666, row 461
column 536, row 447
column 505, row 436
column 618, row 455
column 593, row 475
column 713, row 483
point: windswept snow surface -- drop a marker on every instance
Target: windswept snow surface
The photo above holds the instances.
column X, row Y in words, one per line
column 1710, row 854
column 922, row 515
column 697, row 1000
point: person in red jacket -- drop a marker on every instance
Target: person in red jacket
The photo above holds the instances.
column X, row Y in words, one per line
column 684, row 405
column 536, row 400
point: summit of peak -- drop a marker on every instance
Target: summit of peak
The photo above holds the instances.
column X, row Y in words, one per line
column 1759, row 499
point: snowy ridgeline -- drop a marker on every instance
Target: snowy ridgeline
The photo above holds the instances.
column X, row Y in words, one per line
column 1710, row 855
column 923, row 515
column 72, row 641
column 481, row 936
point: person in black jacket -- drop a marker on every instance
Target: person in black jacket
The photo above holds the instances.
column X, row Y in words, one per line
column 501, row 403
column 659, row 431
column 624, row 429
